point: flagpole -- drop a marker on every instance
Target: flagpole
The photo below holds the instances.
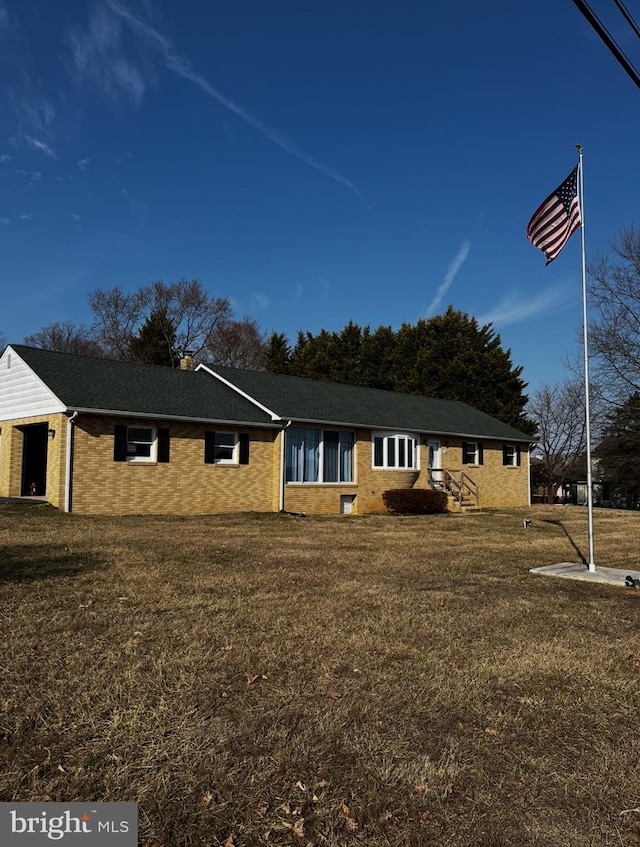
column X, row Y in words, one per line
column 585, row 344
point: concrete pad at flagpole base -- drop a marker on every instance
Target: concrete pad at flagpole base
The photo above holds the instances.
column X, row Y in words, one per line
column 571, row 570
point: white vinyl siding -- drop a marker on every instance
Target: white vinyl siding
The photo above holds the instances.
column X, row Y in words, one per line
column 22, row 393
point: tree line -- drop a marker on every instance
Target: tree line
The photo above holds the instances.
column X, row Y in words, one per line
column 449, row 356
column 558, row 410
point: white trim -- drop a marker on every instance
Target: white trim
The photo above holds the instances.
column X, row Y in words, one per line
column 120, row 413
column 235, row 448
column 68, row 458
column 395, row 434
column 152, row 458
column 442, row 434
column 273, row 415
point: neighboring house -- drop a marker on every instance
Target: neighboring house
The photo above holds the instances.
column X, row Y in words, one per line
column 95, row 435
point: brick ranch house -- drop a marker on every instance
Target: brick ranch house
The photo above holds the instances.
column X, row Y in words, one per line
column 100, row 436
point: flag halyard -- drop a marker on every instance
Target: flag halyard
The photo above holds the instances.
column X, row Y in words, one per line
column 557, row 218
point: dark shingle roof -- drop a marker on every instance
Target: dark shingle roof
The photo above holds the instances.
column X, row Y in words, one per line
column 85, row 382
column 301, row 399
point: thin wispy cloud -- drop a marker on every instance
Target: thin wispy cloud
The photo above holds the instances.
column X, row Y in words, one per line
column 5, row 221
column 75, row 217
column 40, row 146
column 34, row 176
column 83, row 164
column 449, row 277
column 98, row 56
column 515, row 309
column 4, row 158
column 182, row 68
column 25, row 217
column 4, row 17
column 259, row 300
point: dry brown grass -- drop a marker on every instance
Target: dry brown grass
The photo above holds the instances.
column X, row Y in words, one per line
column 265, row 680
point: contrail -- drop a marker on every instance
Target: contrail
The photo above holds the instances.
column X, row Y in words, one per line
column 450, row 275
column 182, row 67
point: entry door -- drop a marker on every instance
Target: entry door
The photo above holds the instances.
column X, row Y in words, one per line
column 34, row 460
column 434, row 460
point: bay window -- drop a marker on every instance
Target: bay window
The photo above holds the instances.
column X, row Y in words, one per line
column 395, row 450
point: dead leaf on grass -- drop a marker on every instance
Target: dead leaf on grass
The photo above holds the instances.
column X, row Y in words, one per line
column 334, row 695
column 350, row 822
column 448, row 789
column 231, row 841
column 298, row 828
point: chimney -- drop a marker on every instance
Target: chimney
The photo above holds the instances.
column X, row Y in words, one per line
column 186, row 362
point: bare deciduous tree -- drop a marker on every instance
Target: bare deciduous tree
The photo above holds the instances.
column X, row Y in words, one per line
column 65, row 337
column 186, row 305
column 614, row 298
column 238, row 344
column 558, row 411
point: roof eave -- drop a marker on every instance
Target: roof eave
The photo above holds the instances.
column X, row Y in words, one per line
column 122, row 413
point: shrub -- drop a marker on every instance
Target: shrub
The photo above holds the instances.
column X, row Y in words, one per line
column 415, row 501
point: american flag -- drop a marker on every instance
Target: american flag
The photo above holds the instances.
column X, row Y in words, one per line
column 553, row 224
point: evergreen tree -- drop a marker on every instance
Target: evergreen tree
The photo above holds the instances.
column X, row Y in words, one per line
column 448, row 356
column 155, row 342
column 278, row 354
column 619, row 451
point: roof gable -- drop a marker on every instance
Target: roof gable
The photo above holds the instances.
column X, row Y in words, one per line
column 107, row 385
column 22, row 392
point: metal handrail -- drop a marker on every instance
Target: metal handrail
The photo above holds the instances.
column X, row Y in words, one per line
column 456, row 482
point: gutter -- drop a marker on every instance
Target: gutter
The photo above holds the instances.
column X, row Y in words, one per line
column 68, row 458
column 283, row 468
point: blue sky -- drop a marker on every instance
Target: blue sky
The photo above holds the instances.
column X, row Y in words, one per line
column 316, row 161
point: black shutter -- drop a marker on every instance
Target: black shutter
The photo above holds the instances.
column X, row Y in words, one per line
column 465, row 453
column 120, row 443
column 163, row 444
column 243, row 443
column 209, row 447
column 505, row 454
column 518, row 455
column 480, row 453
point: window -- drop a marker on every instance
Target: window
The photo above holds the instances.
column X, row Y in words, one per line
column 317, row 455
column 226, row 448
column 397, row 450
column 141, row 444
column 472, row 453
column 511, row 455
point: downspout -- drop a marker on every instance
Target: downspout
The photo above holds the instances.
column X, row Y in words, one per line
column 283, row 467
column 68, row 457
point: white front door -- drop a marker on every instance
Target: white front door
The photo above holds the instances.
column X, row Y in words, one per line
column 433, row 461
